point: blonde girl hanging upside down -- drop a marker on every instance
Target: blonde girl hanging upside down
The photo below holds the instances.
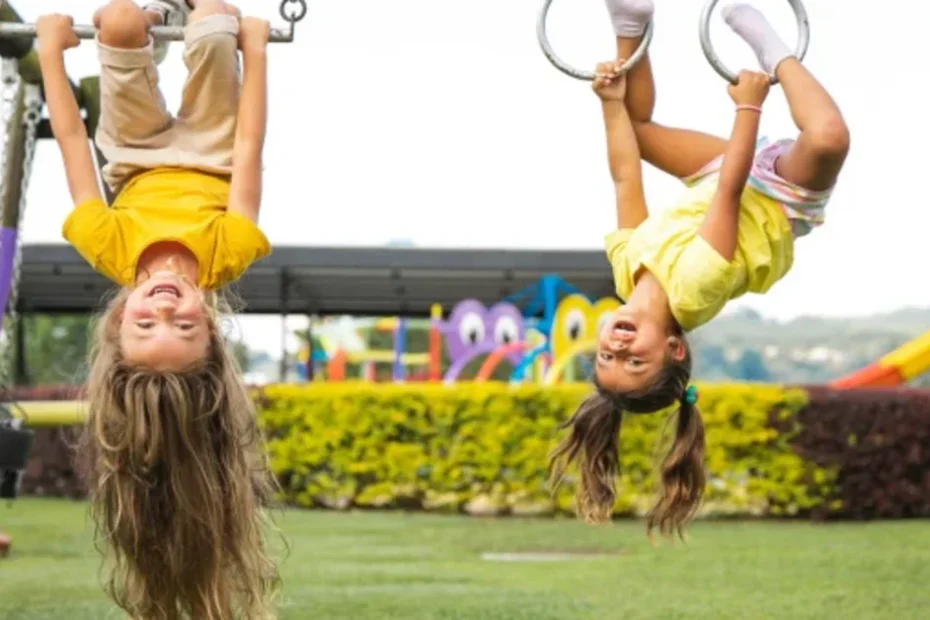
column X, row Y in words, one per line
column 175, row 460
column 732, row 232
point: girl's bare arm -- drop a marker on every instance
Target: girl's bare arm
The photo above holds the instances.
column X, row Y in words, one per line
column 626, row 168
column 721, row 223
column 245, row 192
column 64, row 114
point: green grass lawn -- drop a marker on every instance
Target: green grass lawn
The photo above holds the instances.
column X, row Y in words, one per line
column 388, row 566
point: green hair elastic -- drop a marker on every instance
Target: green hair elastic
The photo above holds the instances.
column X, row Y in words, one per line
column 691, row 395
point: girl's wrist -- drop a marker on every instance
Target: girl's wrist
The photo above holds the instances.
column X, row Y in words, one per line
column 746, row 107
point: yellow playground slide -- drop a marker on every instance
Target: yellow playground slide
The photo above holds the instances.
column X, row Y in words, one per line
column 898, row 367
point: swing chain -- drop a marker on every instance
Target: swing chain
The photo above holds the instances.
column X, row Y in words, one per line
column 32, row 115
column 8, row 91
column 293, row 11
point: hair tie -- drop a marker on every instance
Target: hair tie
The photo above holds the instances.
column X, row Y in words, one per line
column 691, row 395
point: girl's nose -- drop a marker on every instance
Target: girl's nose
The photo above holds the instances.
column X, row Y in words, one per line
column 164, row 310
column 616, row 346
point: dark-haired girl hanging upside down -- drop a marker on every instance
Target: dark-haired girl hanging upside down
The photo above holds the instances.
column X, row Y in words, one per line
column 731, row 232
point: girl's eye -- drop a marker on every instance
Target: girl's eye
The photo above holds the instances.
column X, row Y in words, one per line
column 605, row 356
column 146, row 324
column 186, row 326
column 635, row 362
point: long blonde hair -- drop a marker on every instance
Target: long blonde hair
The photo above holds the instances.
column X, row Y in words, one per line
column 179, row 484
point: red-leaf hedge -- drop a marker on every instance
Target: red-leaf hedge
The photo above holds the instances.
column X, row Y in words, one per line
column 879, row 443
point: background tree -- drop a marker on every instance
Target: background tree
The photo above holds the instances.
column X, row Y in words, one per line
column 56, row 348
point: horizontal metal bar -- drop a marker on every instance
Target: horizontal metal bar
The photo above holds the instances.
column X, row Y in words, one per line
column 160, row 33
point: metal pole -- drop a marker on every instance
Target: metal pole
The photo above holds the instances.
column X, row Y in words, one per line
column 282, row 371
column 18, row 31
column 21, row 372
column 310, row 369
column 90, row 95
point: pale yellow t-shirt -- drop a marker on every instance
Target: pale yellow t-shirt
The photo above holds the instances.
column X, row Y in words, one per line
column 697, row 279
column 183, row 206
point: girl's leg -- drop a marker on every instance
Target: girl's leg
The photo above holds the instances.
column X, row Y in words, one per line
column 206, row 120
column 135, row 126
column 629, row 19
column 679, row 152
column 814, row 161
column 123, row 24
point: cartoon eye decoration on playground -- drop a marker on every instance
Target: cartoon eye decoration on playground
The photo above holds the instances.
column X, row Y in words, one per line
column 474, row 330
column 471, row 330
column 578, row 321
column 576, row 325
column 507, row 323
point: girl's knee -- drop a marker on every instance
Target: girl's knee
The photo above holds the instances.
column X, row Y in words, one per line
column 831, row 136
column 206, row 8
column 123, row 24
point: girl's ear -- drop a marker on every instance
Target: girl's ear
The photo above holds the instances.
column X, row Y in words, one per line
column 677, row 348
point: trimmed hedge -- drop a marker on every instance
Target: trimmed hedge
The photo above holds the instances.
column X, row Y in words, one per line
column 878, row 442
column 482, row 448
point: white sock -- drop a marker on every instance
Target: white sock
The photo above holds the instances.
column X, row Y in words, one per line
column 754, row 29
column 629, row 17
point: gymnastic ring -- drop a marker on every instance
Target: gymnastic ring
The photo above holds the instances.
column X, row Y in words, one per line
column 587, row 76
column 804, row 39
column 298, row 15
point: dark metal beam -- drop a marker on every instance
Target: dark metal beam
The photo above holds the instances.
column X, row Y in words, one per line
column 21, row 371
column 331, row 281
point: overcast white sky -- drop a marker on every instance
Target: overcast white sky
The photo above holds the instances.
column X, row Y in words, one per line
column 441, row 123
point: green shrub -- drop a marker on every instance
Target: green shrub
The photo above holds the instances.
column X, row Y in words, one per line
column 482, row 448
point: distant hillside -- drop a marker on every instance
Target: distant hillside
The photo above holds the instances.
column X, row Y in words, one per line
column 747, row 346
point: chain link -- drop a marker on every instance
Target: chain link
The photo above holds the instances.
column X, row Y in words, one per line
column 293, row 11
column 32, row 114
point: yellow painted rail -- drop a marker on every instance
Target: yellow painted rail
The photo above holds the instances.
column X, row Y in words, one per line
column 42, row 413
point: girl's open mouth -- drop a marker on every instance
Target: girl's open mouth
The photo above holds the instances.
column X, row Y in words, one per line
column 166, row 290
column 623, row 328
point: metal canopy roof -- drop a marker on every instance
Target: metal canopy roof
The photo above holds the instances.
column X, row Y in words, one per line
column 333, row 280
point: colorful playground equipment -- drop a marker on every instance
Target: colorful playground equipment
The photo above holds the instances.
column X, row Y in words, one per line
column 344, row 344
column 545, row 332
column 538, row 330
column 474, row 330
column 898, row 367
